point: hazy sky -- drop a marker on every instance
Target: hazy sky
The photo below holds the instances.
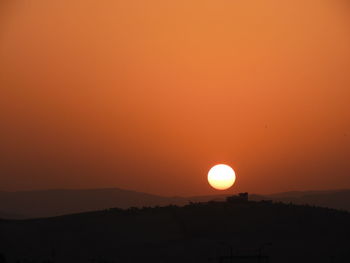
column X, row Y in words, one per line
column 148, row 95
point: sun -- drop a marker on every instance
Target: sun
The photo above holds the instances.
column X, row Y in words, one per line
column 221, row 177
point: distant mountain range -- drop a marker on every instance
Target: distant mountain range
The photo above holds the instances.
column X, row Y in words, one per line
column 49, row 203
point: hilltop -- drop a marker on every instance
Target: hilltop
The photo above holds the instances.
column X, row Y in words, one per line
column 49, row 203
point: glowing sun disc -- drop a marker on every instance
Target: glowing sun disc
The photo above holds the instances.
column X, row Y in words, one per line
column 221, row 177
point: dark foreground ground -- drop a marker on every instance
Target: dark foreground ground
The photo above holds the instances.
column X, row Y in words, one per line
column 203, row 232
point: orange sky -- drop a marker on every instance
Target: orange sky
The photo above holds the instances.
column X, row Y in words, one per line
column 148, row 95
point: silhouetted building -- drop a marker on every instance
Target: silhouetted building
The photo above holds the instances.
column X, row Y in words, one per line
column 240, row 198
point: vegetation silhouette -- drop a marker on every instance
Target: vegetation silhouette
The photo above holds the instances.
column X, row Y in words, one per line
column 236, row 230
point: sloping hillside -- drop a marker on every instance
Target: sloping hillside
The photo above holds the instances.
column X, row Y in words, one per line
column 60, row 202
column 34, row 204
column 337, row 199
column 200, row 232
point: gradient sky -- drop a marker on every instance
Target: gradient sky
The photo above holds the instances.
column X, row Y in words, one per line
column 148, row 95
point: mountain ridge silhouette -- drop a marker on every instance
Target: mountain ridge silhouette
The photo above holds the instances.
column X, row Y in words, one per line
column 56, row 202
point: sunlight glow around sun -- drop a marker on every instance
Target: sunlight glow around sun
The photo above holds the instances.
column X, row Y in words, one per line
column 221, row 177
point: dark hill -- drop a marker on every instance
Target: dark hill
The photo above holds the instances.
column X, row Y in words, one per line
column 49, row 203
column 198, row 232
